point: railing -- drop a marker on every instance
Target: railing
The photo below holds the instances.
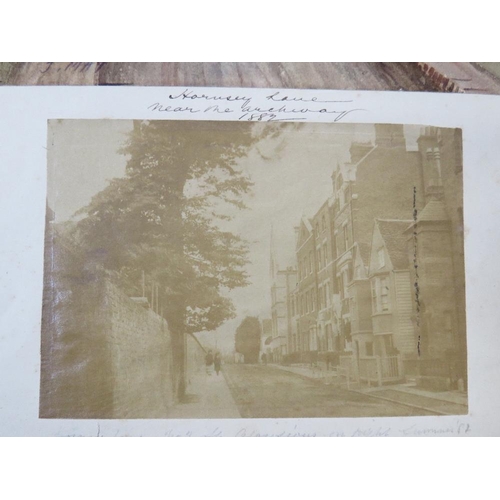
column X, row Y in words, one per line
column 348, row 369
column 390, row 368
column 368, row 370
column 371, row 369
column 381, row 370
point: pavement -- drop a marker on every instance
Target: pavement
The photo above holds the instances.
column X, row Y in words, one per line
column 439, row 403
column 268, row 392
column 258, row 391
column 207, row 396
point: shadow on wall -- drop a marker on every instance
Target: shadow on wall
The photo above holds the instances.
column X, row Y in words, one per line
column 103, row 355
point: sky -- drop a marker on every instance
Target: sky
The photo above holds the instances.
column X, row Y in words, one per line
column 291, row 175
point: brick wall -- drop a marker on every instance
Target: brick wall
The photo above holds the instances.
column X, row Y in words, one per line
column 140, row 355
column 102, row 355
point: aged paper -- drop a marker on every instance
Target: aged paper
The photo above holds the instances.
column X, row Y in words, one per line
column 251, row 262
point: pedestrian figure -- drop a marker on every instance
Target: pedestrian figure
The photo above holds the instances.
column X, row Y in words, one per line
column 209, row 361
column 264, row 358
column 217, row 362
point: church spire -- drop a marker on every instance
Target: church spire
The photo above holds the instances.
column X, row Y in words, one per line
column 273, row 266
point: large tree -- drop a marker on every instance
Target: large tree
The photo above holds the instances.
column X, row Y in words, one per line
column 247, row 339
column 164, row 219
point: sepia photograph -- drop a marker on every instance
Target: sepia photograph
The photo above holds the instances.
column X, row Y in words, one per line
column 216, row 269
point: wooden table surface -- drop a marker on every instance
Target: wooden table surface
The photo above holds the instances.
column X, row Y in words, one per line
column 461, row 77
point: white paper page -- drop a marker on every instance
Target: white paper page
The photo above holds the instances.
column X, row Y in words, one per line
column 26, row 112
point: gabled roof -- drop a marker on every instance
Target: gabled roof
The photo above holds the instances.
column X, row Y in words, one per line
column 364, row 252
column 359, row 150
column 433, row 211
column 395, row 241
column 307, row 223
column 304, row 223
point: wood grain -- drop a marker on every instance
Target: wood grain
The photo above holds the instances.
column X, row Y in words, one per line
column 325, row 75
column 466, row 77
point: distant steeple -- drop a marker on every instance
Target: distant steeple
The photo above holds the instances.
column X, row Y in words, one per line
column 273, row 266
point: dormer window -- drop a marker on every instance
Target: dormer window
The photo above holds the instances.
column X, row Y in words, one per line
column 380, row 295
column 381, row 258
column 342, row 198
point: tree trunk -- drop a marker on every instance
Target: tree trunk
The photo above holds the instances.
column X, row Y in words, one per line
column 177, row 302
column 175, row 318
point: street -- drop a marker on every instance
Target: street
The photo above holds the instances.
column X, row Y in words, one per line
column 269, row 392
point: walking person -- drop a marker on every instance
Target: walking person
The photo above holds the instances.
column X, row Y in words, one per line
column 217, row 362
column 209, row 361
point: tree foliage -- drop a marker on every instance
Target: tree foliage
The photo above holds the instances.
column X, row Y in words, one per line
column 165, row 217
column 247, row 339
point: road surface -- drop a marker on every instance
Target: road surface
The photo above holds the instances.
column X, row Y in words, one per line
column 269, row 392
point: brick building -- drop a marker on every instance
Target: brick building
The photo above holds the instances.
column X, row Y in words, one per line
column 378, row 182
column 283, row 281
column 369, row 220
column 390, row 283
column 306, row 295
column 436, row 251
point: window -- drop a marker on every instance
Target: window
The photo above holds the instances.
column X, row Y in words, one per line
column 369, row 348
column 388, row 344
column 337, row 343
column 328, row 295
column 434, row 159
column 323, row 223
column 328, row 334
column 345, row 231
column 340, row 244
column 341, row 285
column 384, row 294
column 358, row 273
column 311, row 259
column 319, row 258
column 380, row 295
column 346, row 194
column 381, row 258
column 345, row 280
column 325, row 254
column 313, row 302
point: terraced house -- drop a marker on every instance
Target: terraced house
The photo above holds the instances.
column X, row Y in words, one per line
column 357, row 274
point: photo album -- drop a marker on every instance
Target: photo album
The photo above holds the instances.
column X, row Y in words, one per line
column 193, row 261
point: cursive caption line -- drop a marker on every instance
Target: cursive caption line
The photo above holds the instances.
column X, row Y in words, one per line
column 279, row 107
column 456, row 427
